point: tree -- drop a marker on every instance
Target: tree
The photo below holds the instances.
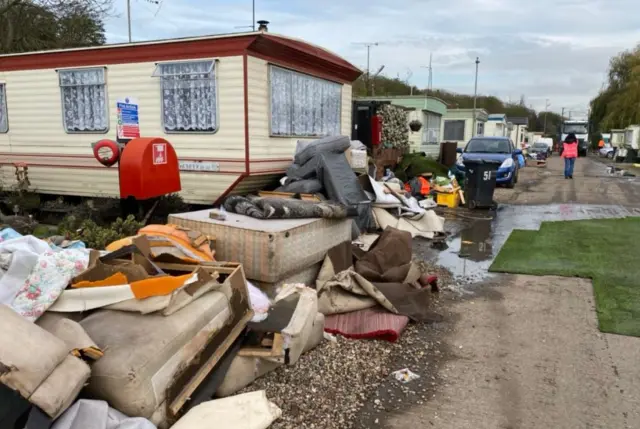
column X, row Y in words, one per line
column 30, row 25
column 617, row 105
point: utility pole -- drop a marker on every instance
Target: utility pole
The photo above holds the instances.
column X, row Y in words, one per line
column 129, row 18
column 546, row 109
column 475, row 97
column 156, row 2
column 368, row 45
column 253, row 15
column 429, row 81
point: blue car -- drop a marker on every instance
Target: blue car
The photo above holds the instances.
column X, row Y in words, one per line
column 493, row 149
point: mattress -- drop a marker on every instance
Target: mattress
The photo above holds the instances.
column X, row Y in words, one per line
column 145, row 353
column 306, row 276
column 268, row 249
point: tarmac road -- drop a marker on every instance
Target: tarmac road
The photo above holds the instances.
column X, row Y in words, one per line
column 525, row 351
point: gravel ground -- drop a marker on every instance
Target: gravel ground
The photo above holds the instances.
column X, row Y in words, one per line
column 346, row 383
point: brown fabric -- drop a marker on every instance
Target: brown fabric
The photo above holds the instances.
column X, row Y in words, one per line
column 389, row 267
column 388, row 259
column 384, row 275
column 341, row 256
column 409, row 301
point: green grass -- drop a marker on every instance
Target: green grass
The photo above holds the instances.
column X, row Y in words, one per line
column 606, row 251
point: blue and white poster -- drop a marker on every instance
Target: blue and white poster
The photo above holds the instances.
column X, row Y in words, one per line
column 128, row 121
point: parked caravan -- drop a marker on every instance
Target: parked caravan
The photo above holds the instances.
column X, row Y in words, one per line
column 629, row 150
column 233, row 107
column 617, row 138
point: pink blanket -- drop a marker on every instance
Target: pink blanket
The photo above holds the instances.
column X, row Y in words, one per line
column 375, row 322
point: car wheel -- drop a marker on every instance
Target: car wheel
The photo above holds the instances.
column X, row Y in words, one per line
column 512, row 182
column 610, row 155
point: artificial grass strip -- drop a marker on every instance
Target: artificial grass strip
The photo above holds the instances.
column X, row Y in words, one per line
column 604, row 250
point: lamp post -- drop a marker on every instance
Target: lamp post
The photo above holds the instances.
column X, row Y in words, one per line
column 475, row 96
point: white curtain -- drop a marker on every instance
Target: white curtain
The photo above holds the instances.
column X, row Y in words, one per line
column 84, row 100
column 302, row 105
column 189, row 96
column 4, row 121
column 281, row 102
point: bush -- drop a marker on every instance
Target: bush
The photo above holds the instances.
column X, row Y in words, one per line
column 95, row 236
column 24, row 200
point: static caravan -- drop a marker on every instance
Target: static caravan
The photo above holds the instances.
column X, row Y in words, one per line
column 496, row 125
column 233, row 107
column 632, row 137
column 458, row 125
column 617, row 137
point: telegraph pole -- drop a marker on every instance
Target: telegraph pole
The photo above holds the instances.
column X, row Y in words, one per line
column 156, row 2
column 129, row 18
column 546, row 109
column 368, row 45
column 475, row 96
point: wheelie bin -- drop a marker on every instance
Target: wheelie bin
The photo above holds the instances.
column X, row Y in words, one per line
column 479, row 183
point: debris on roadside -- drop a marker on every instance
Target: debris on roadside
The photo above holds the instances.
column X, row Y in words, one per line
column 616, row 171
column 155, row 326
column 405, row 375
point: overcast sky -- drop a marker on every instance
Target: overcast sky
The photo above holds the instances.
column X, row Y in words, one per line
column 545, row 49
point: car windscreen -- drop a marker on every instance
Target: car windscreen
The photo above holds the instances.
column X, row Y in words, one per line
column 540, row 146
column 488, row 146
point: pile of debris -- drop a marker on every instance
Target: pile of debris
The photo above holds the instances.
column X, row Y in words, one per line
column 155, row 331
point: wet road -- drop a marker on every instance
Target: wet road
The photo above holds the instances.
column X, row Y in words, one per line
column 525, row 351
column 542, row 194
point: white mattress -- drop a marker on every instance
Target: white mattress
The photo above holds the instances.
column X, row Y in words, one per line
column 269, row 249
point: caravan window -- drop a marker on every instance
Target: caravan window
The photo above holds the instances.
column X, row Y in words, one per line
column 84, row 100
column 454, row 130
column 188, row 96
column 302, row 105
column 4, row 119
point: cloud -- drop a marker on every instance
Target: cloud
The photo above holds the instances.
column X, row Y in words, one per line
column 545, row 49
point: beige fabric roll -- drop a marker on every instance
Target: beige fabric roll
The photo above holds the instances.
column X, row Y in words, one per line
column 28, row 353
column 61, row 388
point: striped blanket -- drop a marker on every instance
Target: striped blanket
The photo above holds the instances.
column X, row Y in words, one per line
column 376, row 322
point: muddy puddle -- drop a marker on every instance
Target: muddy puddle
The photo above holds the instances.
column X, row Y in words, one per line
column 477, row 237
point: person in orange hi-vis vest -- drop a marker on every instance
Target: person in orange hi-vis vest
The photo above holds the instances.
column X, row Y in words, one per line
column 569, row 153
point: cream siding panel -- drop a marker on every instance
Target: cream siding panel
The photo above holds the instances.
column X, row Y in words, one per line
column 35, row 127
column 70, row 181
column 36, row 113
column 261, row 144
column 205, row 188
column 104, row 183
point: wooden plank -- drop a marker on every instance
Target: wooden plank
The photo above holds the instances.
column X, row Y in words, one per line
column 305, row 197
column 276, row 349
column 205, row 369
column 195, row 373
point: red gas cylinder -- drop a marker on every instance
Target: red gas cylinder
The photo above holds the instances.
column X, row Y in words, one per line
column 148, row 169
column 376, row 130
